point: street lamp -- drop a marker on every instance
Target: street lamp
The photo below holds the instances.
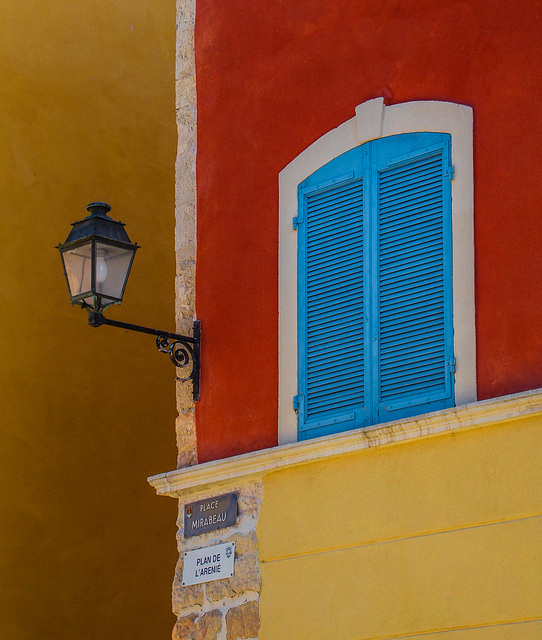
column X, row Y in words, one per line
column 97, row 257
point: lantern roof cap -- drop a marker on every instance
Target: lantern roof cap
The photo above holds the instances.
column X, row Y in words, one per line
column 98, row 224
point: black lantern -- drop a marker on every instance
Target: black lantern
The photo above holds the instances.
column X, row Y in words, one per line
column 97, row 258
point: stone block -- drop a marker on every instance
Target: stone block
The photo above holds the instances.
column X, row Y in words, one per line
column 192, row 627
column 250, row 500
column 184, row 57
column 247, row 571
column 185, row 228
column 184, row 401
column 186, row 90
column 186, row 129
column 186, row 431
column 184, row 165
column 186, row 251
column 184, row 626
column 184, row 286
column 185, row 597
column 186, row 12
column 243, row 622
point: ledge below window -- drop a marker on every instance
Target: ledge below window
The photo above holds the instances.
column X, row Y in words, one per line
column 182, row 482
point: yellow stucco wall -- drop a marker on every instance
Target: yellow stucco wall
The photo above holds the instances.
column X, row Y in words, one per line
column 87, row 113
column 438, row 536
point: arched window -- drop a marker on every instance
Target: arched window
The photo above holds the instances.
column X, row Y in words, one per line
column 374, row 243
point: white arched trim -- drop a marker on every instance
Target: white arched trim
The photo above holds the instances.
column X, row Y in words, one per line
column 374, row 120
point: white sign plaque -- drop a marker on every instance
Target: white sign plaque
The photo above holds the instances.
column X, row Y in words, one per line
column 209, row 563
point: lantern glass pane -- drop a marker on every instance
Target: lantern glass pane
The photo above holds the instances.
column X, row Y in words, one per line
column 77, row 263
column 112, row 269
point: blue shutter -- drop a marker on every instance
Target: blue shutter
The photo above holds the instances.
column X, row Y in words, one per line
column 331, row 355
column 414, row 292
column 375, row 336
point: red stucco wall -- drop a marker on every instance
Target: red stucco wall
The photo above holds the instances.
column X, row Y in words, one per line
column 275, row 75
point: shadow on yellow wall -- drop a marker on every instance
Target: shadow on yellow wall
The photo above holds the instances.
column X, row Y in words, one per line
column 86, row 113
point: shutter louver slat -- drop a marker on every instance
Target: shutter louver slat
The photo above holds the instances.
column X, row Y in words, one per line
column 322, row 265
column 320, row 200
column 348, row 206
column 421, row 296
column 405, row 173
column 413, row 198
column 398, row 272
column 322, row 327
column 333, row 284
column 322, row 237
column 328, row 364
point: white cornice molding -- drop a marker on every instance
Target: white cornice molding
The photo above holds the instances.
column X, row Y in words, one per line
column 232, row 470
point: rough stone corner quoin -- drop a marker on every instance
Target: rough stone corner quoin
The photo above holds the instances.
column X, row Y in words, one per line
column 185, row 215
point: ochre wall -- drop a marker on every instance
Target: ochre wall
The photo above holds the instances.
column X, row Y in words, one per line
column 274, row 76
column 432, row 536
column 87, row 113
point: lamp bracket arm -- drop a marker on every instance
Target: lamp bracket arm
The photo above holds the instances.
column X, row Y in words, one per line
column 98, row 319
column 181, row 349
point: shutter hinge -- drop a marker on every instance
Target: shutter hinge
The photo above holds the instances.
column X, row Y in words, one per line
column 295, row 222
column 296, row 400
column 451, row 365
column 450, row 172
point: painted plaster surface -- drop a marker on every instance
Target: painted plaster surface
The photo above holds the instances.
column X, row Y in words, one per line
column 275, row 77
column 436, row 537
column 86, row 114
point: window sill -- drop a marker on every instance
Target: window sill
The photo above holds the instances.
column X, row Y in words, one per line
column 228, row 471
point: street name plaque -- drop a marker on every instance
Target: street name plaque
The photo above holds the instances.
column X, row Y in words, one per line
column 211, row 514
column 209, row 563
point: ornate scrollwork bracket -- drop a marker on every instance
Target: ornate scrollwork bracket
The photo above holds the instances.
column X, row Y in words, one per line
column 183, row 350
column 183, row 353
